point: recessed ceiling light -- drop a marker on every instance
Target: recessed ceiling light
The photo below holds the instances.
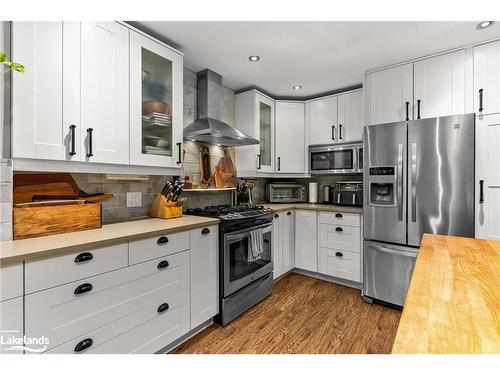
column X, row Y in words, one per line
column 254, row 58
column 484, row 24
column 297, row 87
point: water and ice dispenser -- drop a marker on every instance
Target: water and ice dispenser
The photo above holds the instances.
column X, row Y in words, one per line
column 382, row 186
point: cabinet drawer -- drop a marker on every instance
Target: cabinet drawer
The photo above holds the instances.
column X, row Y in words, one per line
column 11, row 324
column 156, row 247
column 49, row 272
column 340, row 237
column 340, row 218
column 145, row 331
column 11, row 281
column 343, row 264
column 61, row 315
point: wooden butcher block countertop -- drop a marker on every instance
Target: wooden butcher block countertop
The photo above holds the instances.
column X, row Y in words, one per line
column 453, row 303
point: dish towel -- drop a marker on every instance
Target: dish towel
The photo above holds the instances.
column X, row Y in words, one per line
column 256, row 245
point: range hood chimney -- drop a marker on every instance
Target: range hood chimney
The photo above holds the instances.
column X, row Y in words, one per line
column 208, row 127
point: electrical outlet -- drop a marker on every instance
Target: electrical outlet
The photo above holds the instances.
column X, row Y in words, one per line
column 134, row 199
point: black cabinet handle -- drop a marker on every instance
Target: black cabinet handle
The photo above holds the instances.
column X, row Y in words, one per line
column 266, row 240
column 205, row 231
column 162, row 240
column 333, row 132
column 276, row 216
column 89, row 135
column 338, row 215
column 84, row 344
column 418, row 109
column 288, row 213
column 83, row 257
column 163, row 264
column 407, row 111
column 163, row 307
column 339, row 254
column 179, row 144
column 72, row 135
column 339, row 229
column 340, row 131
column 481, row 100
column 84, row 288
column 259, row 161
column 279, row 163
column 481, row 191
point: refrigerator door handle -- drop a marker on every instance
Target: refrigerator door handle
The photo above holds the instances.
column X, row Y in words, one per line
column 400, row 182
column 414, row 182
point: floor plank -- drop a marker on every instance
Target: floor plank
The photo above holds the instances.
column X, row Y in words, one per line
column 303, row 315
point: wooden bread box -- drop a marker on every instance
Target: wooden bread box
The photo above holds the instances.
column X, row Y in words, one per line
column 46, row 218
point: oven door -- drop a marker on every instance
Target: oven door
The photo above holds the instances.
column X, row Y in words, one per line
column 239, row 267
column 333, row 160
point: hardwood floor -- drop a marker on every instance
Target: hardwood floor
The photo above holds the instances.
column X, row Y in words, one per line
column 303, row 315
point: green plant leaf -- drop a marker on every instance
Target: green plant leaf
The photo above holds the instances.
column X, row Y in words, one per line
column 17, row 67
column 3, row 57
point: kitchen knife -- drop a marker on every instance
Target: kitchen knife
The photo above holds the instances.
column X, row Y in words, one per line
column 178, row 192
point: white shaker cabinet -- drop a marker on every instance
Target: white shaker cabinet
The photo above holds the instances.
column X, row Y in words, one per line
column 156, row 103
column 487, row 177
column 323, row 115
column 11, row 325
column 487, row 78
column 350, row 116
column 46, row 97
column 204, row 274
column 440, row 85
column 306, row 249
column 389, row 93
column 290, row 135
column 105, row 92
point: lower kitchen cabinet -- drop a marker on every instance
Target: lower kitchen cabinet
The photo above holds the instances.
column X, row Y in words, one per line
column 340, row 263
column 283, row 243
column 306, row 250
column 204, row 274
column 277, row 245
column 11, row 324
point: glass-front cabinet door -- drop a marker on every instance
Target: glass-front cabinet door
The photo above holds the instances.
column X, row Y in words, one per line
column 156, row 103
column 265, row 130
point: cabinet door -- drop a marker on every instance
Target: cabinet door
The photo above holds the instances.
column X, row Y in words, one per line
column 277, row 245
column 265, row 132
column 290, row 147
column 204, row 274
column 306, row 249
column 11, row 325
column 156, row 119
column 440, row 86
column 105, row 92
column 288, row 241
column 323, row 121
column 350, row 116
column 487, row 78
column 42, row 122
column 387, row 92
column 488, row 171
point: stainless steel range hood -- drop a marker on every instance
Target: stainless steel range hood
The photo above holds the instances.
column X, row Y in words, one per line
column 208, row 127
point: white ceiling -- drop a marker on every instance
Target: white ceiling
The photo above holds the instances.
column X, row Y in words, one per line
column 320, row 56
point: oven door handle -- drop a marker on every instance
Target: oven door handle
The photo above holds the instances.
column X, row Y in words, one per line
column 238, row 234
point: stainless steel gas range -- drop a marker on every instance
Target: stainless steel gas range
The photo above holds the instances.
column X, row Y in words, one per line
column 245, row 278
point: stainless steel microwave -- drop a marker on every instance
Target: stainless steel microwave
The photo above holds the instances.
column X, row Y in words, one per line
column 345, row 158
column 285, row 193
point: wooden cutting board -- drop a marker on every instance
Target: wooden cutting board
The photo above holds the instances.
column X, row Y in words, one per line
column 224, row 172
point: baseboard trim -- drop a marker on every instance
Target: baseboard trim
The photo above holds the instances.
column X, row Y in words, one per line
column 331, row 279
column 181, row 340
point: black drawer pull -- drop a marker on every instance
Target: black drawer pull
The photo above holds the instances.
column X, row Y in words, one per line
column 205, row 231
column 163, row 264
column 339, row 229
column 83, row 257
column 84, row 288
column 84, row 344
column 162, row 240
column 163, row 307
column 338, row 215
column 276, row 216
column 266, row 240
column 288, row 213
column 339, row 254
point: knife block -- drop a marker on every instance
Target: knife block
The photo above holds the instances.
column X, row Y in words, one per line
column 163, row 209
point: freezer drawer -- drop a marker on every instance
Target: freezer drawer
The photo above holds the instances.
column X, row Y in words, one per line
column 387, row 271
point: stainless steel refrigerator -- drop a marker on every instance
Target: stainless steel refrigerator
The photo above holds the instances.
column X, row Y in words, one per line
column 418, row 178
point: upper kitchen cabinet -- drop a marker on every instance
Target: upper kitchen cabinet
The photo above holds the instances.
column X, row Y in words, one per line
column 323, row 117
column 255, row 117
column 440, row 85
column 350, row 116
column 487, row 78
column 388, row 95
column 46, row 97
column 105, row 92
column 290, row 135
column 156, row 103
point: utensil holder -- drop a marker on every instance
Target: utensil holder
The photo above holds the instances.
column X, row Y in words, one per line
column 164, row 209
